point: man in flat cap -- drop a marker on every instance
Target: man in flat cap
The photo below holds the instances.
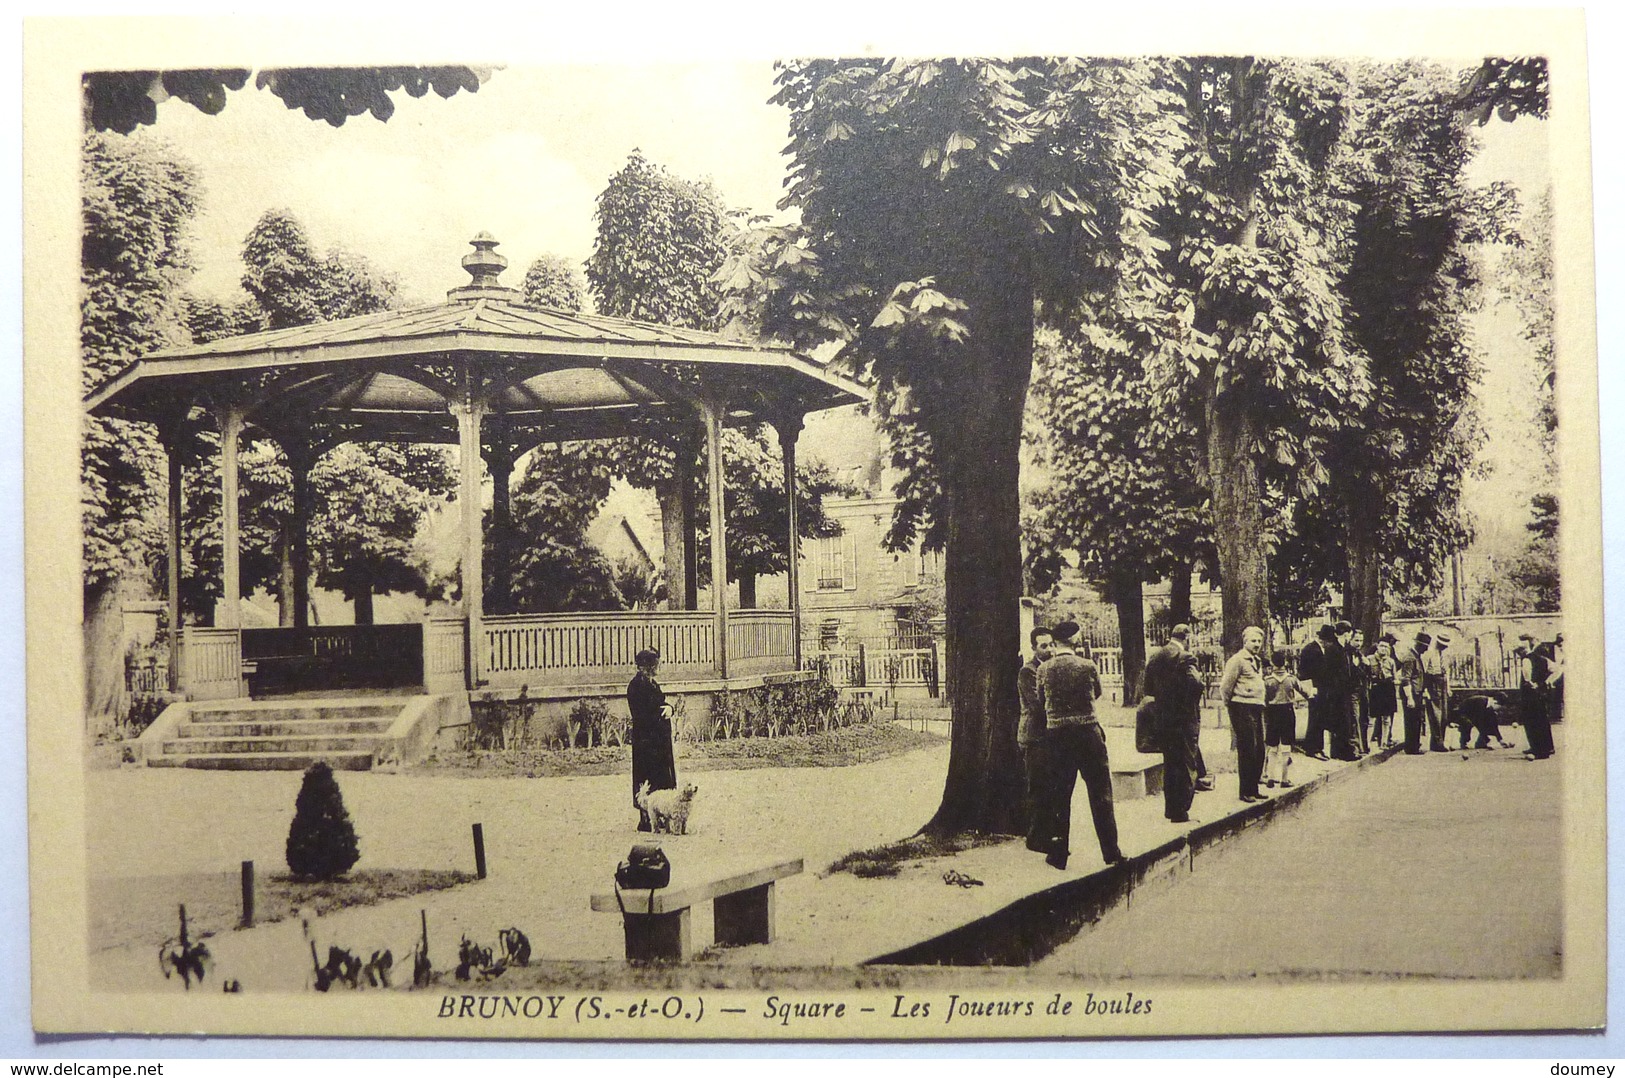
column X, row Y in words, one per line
column 1534, row 705
column 1412, row 699
column 1436, row 691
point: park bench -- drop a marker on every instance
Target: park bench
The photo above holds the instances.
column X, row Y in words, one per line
column 657, row 923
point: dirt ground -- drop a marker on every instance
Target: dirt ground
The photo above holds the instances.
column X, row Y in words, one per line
column 552, row 842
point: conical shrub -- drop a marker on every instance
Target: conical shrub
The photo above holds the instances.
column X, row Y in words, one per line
column 321, row 843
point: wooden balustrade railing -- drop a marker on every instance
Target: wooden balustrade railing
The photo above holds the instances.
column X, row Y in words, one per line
column 760, row 641
column 592, row 649
column 211, row 663
column 445, row 650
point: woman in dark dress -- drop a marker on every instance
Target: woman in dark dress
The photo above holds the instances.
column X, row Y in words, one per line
column 652, row 758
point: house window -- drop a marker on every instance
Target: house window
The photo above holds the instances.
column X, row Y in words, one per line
column 835, row 563
column 930, row 565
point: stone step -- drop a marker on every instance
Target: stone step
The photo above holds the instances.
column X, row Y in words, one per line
column 267, row 761
column 301, row 728
column 207, row 746
column 284, row 711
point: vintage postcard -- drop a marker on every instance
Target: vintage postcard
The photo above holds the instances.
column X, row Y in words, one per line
column 1086, row 537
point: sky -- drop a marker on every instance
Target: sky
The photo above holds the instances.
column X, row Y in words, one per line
column 523, row 159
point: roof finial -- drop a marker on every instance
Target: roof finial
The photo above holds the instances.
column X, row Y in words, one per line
column 484, row 265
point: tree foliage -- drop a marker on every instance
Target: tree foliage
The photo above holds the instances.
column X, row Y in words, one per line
column 553, row 281
column 1506, row 88
column 940, row 201
column 661, row 240
column 138, row 203
column 360, row 544
column 1412, row 284
column 372, row 499
column 121, row 101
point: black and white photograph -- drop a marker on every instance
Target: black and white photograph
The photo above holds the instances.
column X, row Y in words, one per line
column 1098, row 539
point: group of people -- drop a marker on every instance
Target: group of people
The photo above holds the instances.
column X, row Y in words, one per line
column 1354, row 693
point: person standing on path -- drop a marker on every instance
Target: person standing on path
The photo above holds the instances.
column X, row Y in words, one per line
column 1341, row 661
column 1411, row 695
column 1171, row 680
column 1534, row 674
column 1030, row 737
column 1242, row 689
column 653, row 760
column 1312, row 667
column 1383, row 694
column 1280, row 721
column 1436, row 692
column 1360, row 680
column 1068, row 686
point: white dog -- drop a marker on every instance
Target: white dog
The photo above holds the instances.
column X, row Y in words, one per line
column 668, row 809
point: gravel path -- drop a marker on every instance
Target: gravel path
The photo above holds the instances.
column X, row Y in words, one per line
column 551, row 842
column 1427, row 866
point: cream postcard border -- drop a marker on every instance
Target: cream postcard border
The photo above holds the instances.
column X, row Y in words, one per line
column 56, row 51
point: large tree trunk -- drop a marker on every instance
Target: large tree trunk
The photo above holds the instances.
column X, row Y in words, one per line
column 103, row 636
column 285, row 601
column 977, row 452
column 674, row 536
column 1128, row 594
column 1362, row 598
column 363, row 606
column 1238, row 515
column 747, row 590
column 1179, row 594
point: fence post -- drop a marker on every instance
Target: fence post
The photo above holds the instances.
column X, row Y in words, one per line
column 479, row 851
column 248, row 894
column 861, row 677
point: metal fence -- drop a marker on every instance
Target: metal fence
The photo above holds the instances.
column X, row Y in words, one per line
column 889, row 662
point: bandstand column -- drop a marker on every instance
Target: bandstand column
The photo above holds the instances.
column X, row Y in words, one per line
column 171, row 438
column 301, row 457
column 712, row 412
column 469, row 411
column 230, row 615
column 499, row 458
column 789, row 431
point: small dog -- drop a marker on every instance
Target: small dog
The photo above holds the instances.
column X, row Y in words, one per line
column 668, row 809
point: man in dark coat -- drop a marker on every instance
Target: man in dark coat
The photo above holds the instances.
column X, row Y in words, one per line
column 1030, row 737
column 652, row 758
column 1171, row 679
column 1313, row 667
column 1534, row 702
column 1412, row 698
column 1340, row 683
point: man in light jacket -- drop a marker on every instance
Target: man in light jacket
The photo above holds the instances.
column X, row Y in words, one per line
column 1242, row 690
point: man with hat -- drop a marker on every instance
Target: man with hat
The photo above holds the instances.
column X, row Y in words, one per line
column 1436, row 691
column 1340, row 684
column 1534, row 674
column 1312, row 667
column 1074, row 745
column 1411, row 693
column 1172, row 681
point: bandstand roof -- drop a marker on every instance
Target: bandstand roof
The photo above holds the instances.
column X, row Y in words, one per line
column 550, row 374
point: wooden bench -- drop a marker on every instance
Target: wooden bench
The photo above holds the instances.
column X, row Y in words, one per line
column 657, row 925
